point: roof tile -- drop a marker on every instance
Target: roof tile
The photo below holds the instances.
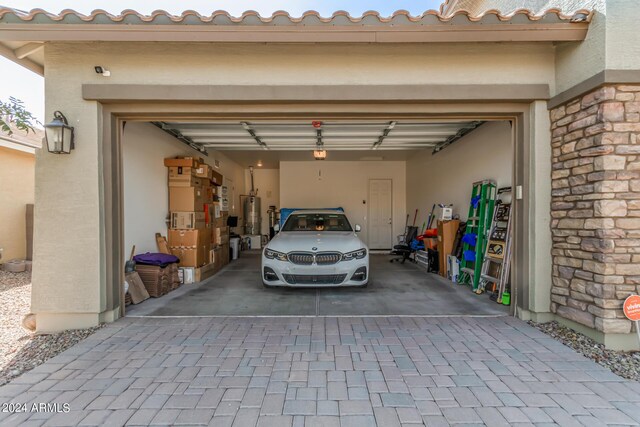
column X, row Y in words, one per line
column 282, row 18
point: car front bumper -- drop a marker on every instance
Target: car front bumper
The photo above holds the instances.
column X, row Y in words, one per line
column 284, row 273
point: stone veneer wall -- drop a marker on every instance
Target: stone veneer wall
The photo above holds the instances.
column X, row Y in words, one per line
column 595, row 207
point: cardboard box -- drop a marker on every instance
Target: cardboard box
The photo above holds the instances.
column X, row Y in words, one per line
column 220, row 235
column 447, row 231
column 205, row 272
column 188, row 238
column 217, row 255
column 213, row 212
column 186, row 199
column 224, row 239
column 184, row 177
column 189, row 162
column 221, row 221
column 191, row 246
column 188, row 220
column 196, row 257
column 210, row 194
column 204, row 171
column 224, row 254
column 216, row 178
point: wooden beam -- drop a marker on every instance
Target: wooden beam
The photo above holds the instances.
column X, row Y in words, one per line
column 28, row 49
column 25, row 62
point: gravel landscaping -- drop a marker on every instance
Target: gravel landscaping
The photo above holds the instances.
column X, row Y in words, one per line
column 21, row 351
column 625, row 364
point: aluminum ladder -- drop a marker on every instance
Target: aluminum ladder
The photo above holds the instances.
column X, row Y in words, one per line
column 497, row 258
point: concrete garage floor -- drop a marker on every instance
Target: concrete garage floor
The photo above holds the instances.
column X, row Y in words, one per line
column 395, row 289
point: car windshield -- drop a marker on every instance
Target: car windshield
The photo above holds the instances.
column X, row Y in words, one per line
column 317, row 222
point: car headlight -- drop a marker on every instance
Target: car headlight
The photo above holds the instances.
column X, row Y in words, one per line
column 359, row 254
column 271, row 254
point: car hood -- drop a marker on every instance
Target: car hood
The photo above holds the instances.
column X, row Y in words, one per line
column 288, row 241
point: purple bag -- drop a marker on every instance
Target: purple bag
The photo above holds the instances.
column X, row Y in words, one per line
column 161, row 260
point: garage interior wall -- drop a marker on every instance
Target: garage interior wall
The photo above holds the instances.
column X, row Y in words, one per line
column 447, row 177
column 17, row 187
column 267, row 183
column 343, row 184
column 146, row 194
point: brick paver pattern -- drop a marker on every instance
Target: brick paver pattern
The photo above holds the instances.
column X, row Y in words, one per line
column 359, row 371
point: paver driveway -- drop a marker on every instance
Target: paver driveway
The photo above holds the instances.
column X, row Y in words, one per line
column 314, row 371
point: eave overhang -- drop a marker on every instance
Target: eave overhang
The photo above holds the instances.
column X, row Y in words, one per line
column 431, row 27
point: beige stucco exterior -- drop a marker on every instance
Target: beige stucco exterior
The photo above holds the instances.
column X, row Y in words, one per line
column 69, row 186
column 17, row 183
column 72, row 276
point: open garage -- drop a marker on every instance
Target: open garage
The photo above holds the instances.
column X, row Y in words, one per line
column 386, row 92
column 389, row 176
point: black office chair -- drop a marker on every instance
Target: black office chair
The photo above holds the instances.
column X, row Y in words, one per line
column 404, row 250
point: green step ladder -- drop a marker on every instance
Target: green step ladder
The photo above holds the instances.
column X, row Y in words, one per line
column 478, row 223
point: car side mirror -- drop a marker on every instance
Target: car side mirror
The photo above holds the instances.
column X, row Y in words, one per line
column 358, row 228
column 276, row 228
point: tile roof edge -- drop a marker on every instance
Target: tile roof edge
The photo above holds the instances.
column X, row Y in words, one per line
column 532, row 16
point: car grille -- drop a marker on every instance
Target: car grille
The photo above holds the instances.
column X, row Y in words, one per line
column 322, row 258
column 328, row 258
column 314, row 279
column 301, row 258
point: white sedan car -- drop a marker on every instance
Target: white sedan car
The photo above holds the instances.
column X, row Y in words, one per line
column 316, row 249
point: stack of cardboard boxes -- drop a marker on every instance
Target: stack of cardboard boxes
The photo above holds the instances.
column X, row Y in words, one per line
column 197, row 224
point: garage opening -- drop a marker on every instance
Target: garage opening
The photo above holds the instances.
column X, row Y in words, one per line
column 421, row 195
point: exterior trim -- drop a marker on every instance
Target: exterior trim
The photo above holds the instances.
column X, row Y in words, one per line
column 602, row 78
column 501, row 32
column 113, row 114
column 111, row 93
column 535, row 32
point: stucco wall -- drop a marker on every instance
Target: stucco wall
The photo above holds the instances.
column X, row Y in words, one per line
column 168, row 63
column 447, row 177
column 623, row 37
column 17, row 176
column 343, row 184
column 71, row 245
column 146, row 195
column 69, row 273
column 613, row 43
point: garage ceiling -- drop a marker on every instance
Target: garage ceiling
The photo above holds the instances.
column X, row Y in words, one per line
column 308, row 136
column 267, row 143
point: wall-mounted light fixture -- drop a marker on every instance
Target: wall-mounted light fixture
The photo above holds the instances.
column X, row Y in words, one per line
column 102, row 71
column 59, row 135
column 320, row 154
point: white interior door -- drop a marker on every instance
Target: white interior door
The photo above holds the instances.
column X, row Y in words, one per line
column 380, row 214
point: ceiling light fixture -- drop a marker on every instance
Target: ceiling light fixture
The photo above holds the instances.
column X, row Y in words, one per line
column 320, row 154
